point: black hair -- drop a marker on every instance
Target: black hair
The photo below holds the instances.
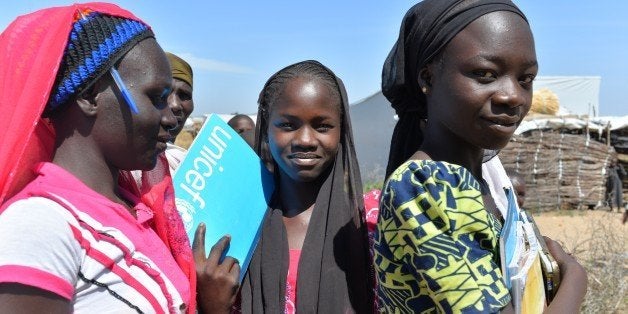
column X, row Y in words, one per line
column 239, row 117
column 275, row 86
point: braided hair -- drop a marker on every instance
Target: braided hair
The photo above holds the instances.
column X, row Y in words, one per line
column 96, row 42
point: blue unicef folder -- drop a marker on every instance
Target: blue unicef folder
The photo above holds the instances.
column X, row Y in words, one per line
column 224, row 184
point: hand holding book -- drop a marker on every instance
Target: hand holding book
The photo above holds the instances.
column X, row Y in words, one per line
column 217, row 276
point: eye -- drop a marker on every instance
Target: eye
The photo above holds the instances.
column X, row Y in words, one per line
column 485, row 76
column 160, row 101
column 184, row 96
column 286, row 126
column 324, row 128
column 527, row 80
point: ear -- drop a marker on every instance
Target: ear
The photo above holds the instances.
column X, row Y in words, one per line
column 425, row 77
column 87, row 100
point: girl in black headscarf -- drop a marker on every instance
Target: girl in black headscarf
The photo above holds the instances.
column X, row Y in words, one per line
column 314, row 239
column 463, row 69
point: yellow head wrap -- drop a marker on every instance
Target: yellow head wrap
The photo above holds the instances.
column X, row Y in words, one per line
column 180, row 69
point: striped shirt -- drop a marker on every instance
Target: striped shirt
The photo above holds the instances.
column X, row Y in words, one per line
column 58, row 235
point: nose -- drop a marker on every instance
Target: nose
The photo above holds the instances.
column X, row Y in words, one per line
column 305, row 138
column 168, row 120
column 511, row 93
column 174, row 103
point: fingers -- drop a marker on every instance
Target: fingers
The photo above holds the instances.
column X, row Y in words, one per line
column 559, row 254
column 217, row 250
column 229, row 264
column 198, row 244
column 235, row 270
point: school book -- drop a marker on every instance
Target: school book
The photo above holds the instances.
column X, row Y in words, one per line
column 520, row 253
column 224, row 184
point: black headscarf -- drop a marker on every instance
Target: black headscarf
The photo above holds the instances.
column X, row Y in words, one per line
column 334, row 272
column 425, row 31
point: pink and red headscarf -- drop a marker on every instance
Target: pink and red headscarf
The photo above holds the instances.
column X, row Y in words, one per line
column 32, row 52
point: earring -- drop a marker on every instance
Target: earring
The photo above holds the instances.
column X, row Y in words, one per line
column 424, row 90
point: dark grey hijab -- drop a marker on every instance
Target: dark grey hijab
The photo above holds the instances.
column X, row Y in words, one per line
column 425, row 31
column 334, row 272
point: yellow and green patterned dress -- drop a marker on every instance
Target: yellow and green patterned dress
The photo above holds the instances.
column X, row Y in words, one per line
column 436, row 247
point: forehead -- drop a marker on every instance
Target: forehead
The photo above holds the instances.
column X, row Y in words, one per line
column 146, row 63
column 180, row 84
column 495, row 35
column 306, row 96
column 242, row 122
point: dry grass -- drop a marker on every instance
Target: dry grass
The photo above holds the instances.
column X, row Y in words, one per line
column 598, row 240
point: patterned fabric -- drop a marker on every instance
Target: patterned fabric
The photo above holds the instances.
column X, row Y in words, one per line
column 436, row 247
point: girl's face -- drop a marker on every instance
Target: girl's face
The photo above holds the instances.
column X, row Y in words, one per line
column 481, row 87
column 132, row 141
column 304, row 129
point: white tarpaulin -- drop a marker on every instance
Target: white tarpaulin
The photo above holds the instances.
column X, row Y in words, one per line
column 577, row 95
column 596, row 124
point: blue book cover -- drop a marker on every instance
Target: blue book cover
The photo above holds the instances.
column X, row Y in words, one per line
column 224, row 184
column 508, row 236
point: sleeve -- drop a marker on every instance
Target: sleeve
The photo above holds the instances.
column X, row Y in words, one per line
column 38, row 246
column 435, row 243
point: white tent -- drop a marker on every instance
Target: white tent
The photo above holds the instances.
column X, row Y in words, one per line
column 578, row 95
column 373, row 122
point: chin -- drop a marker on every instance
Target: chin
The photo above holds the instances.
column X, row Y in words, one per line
column 496, row 144
column 147, row 165
column 304, row 176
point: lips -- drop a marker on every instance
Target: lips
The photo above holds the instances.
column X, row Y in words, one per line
column 503, row 120
column 304, row 159
column 162, row 141
column 503, row 124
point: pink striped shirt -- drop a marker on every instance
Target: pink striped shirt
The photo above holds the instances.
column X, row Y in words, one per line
column 59, row 235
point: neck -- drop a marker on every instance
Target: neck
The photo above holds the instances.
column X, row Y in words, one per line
column 297, row 197
column 442, row 145
column 78, row 156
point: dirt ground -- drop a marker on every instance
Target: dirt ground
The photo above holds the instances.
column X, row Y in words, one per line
column 576, row 228
column 599, row 241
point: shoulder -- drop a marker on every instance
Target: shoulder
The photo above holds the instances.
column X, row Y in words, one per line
column 416, row 177
column 38, row 246
column 37, row 220
column 35, row 211
column 430, row 170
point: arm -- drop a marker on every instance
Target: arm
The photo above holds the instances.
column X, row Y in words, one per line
column 573, row 286
column 217, row 283
column 17, row 298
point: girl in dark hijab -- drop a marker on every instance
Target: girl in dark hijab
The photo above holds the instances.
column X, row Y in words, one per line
column 464, row 69
column 313, row 253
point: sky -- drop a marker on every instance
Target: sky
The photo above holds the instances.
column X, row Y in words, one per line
column 235, row 46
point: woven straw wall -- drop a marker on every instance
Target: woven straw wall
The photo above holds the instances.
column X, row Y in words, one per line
column 563, row 171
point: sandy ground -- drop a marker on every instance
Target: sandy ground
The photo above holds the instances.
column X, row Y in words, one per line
column 575, row 228
column 600, row 242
